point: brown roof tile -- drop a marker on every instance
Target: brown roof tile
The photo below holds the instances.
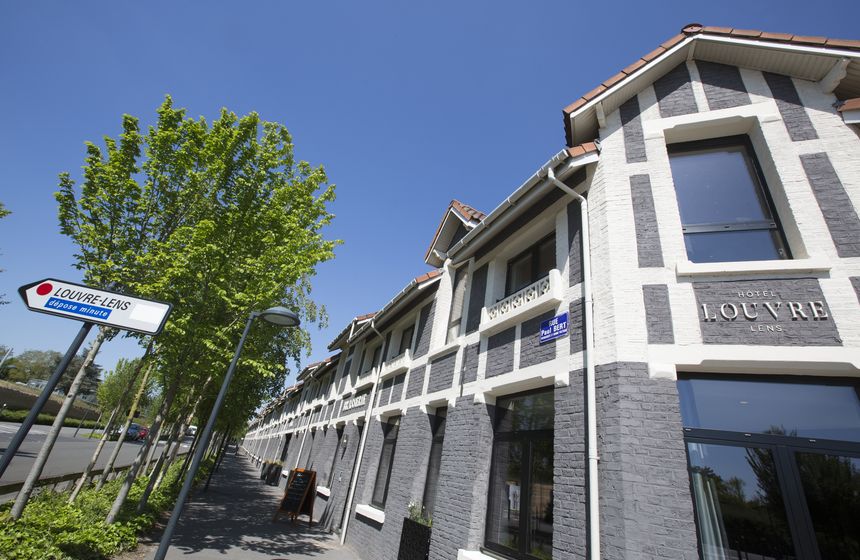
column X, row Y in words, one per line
column 582, row 149
column 695, row 29
column 850, row 105
column 467, row 211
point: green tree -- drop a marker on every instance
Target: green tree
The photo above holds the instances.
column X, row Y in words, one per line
column 33, row 364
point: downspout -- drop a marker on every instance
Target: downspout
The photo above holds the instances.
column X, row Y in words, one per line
column 361, row 444
column 590, row 398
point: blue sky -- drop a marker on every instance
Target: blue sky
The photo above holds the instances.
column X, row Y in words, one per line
column 406, row 104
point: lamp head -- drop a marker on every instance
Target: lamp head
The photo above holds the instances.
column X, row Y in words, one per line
column 280, row 316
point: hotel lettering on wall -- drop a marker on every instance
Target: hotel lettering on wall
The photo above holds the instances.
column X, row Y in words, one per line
column 770, row 312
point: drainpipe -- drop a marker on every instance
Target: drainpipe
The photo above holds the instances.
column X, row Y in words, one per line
column 357, row 466
column 590, row 399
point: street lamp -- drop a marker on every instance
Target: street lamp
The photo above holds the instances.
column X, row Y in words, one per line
column 280, row 316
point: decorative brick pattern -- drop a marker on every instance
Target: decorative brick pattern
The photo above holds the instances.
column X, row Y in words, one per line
column 646, row 509
column 397, row 388
column 855, row 282
column 790, row 107
column 384, row 393
column 723, row 85
column 645, row 219
column 470, row 362
column 425, row 326
column 569, row 466
column 787, row 329
column 675, row 93
column 575, row 325
column 658, row 314
column 634, row 139
column 416, row 382
column 531, row 350
column 500, row 352
column 837, row 208
column 442, row 373
column 461, row 502
column 476, row 299
column 574, row 243
column 323, row 462
column 331, row 517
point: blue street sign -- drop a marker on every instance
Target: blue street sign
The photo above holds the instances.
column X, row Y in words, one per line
column 553, row 328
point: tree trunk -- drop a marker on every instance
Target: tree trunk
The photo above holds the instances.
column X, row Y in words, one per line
column 121, row 439
column 154, row 448
column 178, row 441
column 86, row 474
column 156, row 472
column 36, row 470
column 132, row 471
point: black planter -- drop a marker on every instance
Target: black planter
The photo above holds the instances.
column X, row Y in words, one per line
column 264, row 471
column 274, row 475
column 414, row 541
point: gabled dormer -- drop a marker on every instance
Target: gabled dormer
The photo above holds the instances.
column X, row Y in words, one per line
column 457, row 221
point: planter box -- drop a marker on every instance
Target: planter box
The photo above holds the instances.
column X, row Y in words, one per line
column 273, row 477
column 414, row 541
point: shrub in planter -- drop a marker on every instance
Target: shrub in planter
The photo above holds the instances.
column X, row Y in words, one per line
column 264, row 470
column 274, row 474
column 415, row 536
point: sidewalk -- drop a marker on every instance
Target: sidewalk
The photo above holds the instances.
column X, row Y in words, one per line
column 234, row 520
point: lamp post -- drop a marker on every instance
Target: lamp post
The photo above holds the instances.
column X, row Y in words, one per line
column 277, row 315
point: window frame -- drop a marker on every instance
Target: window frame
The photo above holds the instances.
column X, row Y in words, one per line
column 784, row 449
column 782, row 247
column 527, row 437
column 391, row 425
column 533, row 252
column 403, row 339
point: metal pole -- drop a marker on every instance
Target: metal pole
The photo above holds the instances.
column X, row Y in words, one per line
column 198, row 454
column 22, row 432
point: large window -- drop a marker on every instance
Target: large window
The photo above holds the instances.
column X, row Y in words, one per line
column 520, row 504
column 726, row 210
column 531, row 265
column 386, row 461
column 774, row 466
column 431, row 486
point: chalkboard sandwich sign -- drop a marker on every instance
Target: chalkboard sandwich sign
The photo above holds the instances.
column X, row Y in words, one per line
column 299, row 495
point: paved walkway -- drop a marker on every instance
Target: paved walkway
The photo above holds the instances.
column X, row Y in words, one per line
column 234, row 520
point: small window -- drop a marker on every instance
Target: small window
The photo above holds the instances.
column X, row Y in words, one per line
column 726, row 210
column 406, row 339
column 531, row 265
column 457, row 296
column 431, row 486
column 386, row 461
column 520, row 504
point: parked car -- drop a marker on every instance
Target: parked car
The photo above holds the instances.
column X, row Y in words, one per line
column 143, row 431
column 133, row 432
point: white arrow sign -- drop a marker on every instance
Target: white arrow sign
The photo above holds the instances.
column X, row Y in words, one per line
column 75, row 301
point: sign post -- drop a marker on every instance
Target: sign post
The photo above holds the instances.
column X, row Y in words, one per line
column 92, row 306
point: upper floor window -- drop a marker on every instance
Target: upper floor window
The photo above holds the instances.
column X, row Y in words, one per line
column 406, row 339
column 531, row 265
column 726, row 210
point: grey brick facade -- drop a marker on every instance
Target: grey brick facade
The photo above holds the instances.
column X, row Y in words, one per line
column 416, row 382
column 634, row 139
column 574, row 243
column 658, row 314
column 790, row 107
column 397, row 388
column 645, row 219
column 675, row 93
column 723, row 85
column 531, row 350
column 470, row 363
column 477, row 293
column 425, row 325
column 838, row 209
column 855, row 282
column 500, row 352
column 441, row 373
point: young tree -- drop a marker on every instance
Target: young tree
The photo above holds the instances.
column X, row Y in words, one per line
column 3, row 213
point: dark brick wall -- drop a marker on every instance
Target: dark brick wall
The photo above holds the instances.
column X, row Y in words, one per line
column 531, row 350
column 441, row 373
column 645, row 220
column 723, row 85
column 790, row 107
column 576, row 320
column 331, row 516
column 470, row 362
column 631, row 122
column 646, row 510
column 574, row 243
column 384, row 393
column 795, row 332
column 675, row 92
column 570, row 507
column 416, row 382
column 500, row 352
column 837, row 208
column 397, row 388
column 306, row 450
column 855, row 282
column 461, row 501
column 658, row 314
column 323, row 462
column 425, row 325
column 477, row 294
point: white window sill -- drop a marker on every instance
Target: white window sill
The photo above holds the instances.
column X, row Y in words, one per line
column 442, row 350
column 473, row 555
column 689, row 269
column 323, row 491
column 370, row 512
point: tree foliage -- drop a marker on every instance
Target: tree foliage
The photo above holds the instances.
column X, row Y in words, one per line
column 40, row 364
column 118, row 384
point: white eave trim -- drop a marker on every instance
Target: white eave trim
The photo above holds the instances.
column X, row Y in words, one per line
column 851, row 117
column 801, row 49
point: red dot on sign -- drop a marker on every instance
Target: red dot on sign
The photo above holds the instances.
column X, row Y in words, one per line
column 44, row 289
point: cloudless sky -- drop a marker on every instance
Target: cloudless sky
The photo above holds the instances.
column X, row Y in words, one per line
column 406, row 104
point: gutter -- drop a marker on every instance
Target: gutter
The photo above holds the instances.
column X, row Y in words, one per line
column 590, row 398
column 357, row 466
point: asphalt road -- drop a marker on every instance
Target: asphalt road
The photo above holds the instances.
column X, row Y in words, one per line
column 70, row 454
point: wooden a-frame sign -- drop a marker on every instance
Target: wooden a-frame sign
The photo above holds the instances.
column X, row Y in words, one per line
column 299, row 495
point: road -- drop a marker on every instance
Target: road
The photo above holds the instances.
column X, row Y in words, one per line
column 70, row 454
